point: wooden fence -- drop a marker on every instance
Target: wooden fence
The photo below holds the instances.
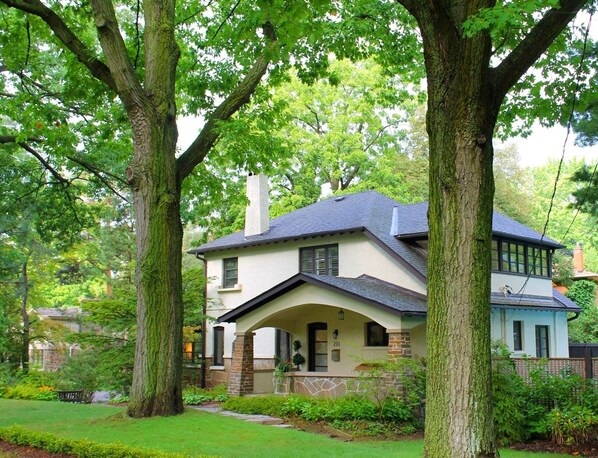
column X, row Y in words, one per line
column 586, row 367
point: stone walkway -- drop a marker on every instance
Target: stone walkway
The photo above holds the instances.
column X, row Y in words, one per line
column 258, row 419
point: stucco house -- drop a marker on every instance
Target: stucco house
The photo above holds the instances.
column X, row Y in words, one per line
column 346, row 277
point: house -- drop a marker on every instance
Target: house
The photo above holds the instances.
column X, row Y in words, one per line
column 346, row 278
column 49, row 355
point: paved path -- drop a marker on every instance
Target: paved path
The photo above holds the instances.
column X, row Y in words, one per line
column 259, row 419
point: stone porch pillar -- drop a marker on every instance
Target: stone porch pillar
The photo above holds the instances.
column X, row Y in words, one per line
column 399, row 344
column 240, row 380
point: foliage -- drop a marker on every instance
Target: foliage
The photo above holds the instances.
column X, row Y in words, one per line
column 586, row 192
column 562, row 268
column 80, row 373
column 298, row 359
column 509, row 403
column 196, row 396
column 585, row 327
column 576, row 425
column 583, row 293
column 26, row 391
column 79, row 448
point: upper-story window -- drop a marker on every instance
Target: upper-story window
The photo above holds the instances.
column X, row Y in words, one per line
column 319, row 260
column 520, row 258
column 230, row 272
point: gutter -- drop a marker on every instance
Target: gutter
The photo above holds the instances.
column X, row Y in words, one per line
column 574, row 317
column 204, row 319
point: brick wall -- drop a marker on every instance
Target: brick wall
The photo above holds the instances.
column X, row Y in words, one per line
column 240, row 380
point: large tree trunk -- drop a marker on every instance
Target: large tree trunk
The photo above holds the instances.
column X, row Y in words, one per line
column 461, row 118
column 157, row 378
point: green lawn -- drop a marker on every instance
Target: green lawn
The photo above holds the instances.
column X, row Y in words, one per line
column 196, row 433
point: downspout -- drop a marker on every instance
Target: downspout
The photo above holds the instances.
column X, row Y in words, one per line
column 574, row 317
column 204, row 319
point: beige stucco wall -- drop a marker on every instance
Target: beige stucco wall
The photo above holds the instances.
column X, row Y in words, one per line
column 308, row 304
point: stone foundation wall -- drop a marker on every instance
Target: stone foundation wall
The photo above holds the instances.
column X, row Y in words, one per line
column 320, row 385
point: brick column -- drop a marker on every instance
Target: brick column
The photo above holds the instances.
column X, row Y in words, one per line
column 399, row 344
column 240, row 380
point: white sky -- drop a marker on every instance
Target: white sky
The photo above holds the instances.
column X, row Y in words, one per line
column 545, row 144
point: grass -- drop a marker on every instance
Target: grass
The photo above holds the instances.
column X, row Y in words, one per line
column 196, row 433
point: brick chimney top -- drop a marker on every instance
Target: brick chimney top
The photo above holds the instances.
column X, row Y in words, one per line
column 578, row 265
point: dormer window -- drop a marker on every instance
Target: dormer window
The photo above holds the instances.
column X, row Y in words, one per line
column 319, row 260
column 520, row 258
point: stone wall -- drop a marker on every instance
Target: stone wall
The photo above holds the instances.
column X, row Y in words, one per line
column 320, row 385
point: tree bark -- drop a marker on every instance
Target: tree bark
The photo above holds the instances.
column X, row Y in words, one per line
column 464, row 99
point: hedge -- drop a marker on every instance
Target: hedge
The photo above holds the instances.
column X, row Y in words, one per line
column 79, row 448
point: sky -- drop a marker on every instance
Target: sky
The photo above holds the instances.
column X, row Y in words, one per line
column 545, row 144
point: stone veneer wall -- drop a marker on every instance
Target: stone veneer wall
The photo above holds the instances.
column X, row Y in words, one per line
column 321, row 385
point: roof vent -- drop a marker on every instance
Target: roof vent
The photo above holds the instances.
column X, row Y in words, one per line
column 338, row 199
column 394, row 223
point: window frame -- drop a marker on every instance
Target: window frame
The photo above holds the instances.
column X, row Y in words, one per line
column 515, row 257
column 539, row 349
column 329, row 267
column 218, row 346
column 517, row 335
column 227, row 282
column 369, row 335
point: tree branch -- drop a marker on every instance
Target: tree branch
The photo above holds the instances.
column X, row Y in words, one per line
column 45, row 163
column 97, row 173
column 127, row 84
column 62, row 31
column 13, row 139
column 236, row 99
column 512, row 68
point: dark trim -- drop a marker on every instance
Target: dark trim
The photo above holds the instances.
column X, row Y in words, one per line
column 546, row 242
column 393, row 254
column 412, row 235
column 311, row 344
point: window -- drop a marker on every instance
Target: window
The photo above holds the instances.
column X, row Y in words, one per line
column 519, row 258
column 319, row 260
column 375, row 335
column 542, row 350
column 230, row 272
column 218, row 354
column 517, row 335
column 282, row 346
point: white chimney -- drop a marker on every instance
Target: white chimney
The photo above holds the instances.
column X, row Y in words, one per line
column 257, row 218
column 394, row 224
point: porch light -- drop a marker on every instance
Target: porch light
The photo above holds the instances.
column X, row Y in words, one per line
column 335, row 334
column 341, row 315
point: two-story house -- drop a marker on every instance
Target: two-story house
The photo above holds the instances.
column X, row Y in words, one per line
column 346, row 278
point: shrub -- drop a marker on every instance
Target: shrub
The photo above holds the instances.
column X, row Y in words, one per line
column 195, row 395
column 30, row 392
column 78, row 448
column 574, row 426
column 509, row 420
column 258, row 405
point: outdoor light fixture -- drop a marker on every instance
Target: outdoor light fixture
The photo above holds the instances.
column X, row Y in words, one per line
column 341, row 315
column 335, row 334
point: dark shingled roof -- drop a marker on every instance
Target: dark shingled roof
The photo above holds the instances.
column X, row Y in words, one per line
column 376, row 292
column 519, row 301
column 366, row 289
column 368, row 212
column 413, row 223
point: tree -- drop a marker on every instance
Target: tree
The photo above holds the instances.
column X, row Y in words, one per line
column 465, row 94
column 585, row 327
column 221, row 51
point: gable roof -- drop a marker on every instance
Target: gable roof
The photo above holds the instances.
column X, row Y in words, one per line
column 369, row 290
column 368, row 212
column 412, row 222
column 372, row 214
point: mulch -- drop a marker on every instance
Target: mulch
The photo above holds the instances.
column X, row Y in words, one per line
column 545, row 446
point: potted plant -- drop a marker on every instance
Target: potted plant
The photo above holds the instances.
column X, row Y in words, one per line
column 298, row 358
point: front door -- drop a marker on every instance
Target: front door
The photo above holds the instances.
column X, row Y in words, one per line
column 317, row 347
